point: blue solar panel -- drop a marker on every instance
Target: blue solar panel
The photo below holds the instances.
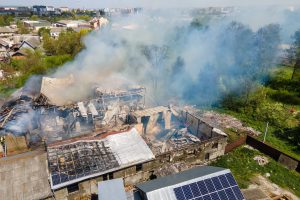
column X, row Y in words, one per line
column 179, row 194
column 230, row 179
column 237, row 193
column 207, row 197
column 195, row 190
column 215, row 196
column 209, row 185
column 222, row 187
column 230, row 194
column 187, row 192
column 217, row 183
column 224, row 181
column 202, row 187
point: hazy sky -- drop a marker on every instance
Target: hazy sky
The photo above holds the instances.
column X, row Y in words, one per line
column 148, row 3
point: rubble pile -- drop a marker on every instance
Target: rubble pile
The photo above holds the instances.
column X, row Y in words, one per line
column 228, row 122
column 38, row 116
column 174, row 139
column 261, row 160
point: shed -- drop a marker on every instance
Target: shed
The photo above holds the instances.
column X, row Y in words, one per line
column 206, row 182
column 111, row 190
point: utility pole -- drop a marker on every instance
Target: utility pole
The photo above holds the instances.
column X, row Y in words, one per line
column 266, row 130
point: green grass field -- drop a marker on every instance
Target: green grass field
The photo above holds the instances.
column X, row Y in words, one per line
column 241, row 163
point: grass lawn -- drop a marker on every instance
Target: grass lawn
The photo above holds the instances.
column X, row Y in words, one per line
column 279, row 143
column 241, row 163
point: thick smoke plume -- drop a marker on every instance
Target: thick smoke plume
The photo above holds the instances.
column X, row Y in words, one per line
column 180, row 54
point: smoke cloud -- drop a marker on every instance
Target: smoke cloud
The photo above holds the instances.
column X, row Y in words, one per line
column 180, row 54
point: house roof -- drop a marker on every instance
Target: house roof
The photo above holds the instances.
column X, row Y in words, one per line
column 112, row 153
column 6, row 30
column 33, row 42
column 3, row 43
column 111, row 190
column 180, row 177
column 57, row 29
column 50, row 87
column 20, row 52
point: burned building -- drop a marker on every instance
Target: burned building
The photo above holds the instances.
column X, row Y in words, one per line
column 111, row 134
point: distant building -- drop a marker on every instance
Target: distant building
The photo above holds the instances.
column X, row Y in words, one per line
column 31, row 43
column 64, row 9
column 39, row 10
column 36, row 25
column 55, row 31
column 72, row 23
column 7, row 31
column 98, row 22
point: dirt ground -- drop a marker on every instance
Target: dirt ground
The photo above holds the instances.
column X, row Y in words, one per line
column 270, row 189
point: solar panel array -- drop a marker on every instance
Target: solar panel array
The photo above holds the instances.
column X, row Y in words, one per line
column 72, row 161
column 222, row 187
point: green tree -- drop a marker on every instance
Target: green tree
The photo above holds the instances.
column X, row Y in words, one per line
column 5, row 20
column 34, row 17
column 22, row 28
column 49, row 44
column 43, row 31
column 296, row 51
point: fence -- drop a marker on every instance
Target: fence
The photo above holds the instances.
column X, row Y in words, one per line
column 288, row 161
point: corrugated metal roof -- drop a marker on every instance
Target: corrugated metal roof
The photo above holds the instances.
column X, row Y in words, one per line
column 128, row 149
column 111, row 190
column 181, row 177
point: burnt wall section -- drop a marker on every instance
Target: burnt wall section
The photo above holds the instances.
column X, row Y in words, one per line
column 199, row 153
column 198, row 127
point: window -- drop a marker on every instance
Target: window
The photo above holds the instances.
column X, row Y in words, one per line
column 139, row 167
column 207, row 156
column 215, row 145
column 111, row 176
column 104, row 177
column 73, row 188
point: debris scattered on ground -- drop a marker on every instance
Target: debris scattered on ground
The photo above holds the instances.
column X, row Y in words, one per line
column 271, row 189
column 248, row 147
column 261, row 160
column 228, row 122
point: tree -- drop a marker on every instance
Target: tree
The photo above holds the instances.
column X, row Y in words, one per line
column 34, row 17
column 5, row 20
column 49, row 44
column 43, row 31
column 22, row 28
column 296, row 51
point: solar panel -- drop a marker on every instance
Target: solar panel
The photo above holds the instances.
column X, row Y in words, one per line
column 222, row 187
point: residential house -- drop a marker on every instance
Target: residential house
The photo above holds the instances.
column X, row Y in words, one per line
column 97, row 23
column 20, row 50
column 36, row 25
column 55, row 31
column 7, row 31
column 72, row 23
column 4, row 47
column 64, row 9
column 31, row 43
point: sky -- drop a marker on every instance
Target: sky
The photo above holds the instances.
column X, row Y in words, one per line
column 147, row 3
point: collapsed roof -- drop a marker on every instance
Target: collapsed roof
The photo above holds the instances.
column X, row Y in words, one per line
column 51, row 88
column 90, row 157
